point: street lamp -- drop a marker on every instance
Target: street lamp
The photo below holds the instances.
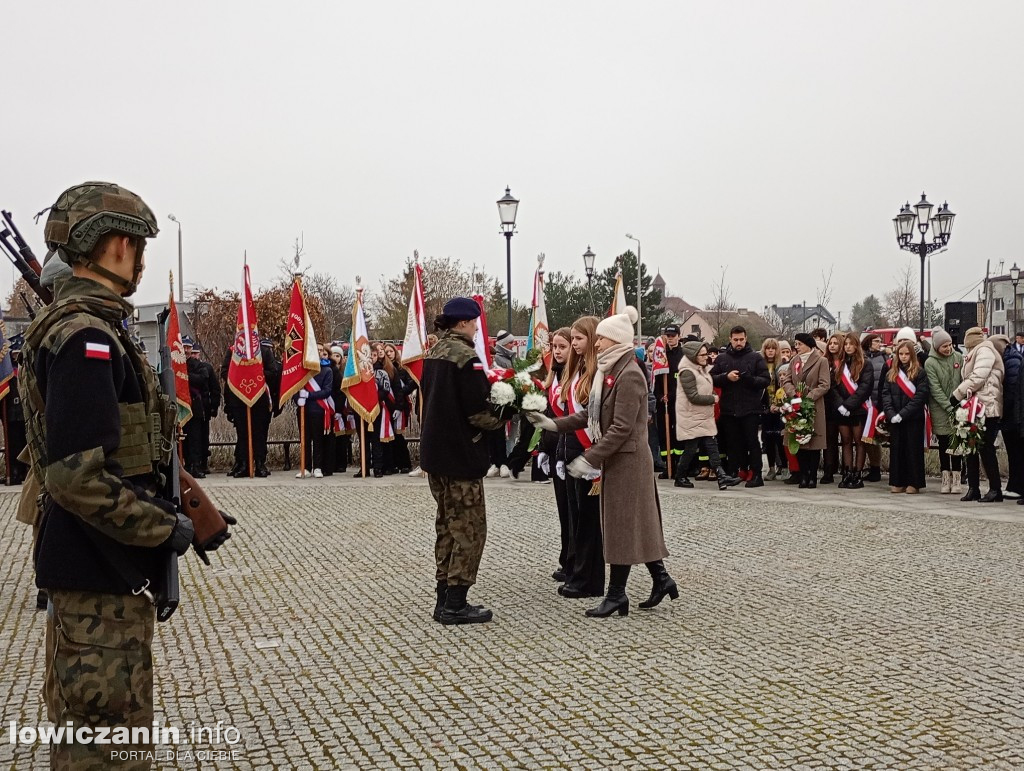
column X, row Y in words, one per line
column 1014, row 279
column 588, row 265
column 920, row 214
column 507, row 207
column 181, row 279
column 631, row 238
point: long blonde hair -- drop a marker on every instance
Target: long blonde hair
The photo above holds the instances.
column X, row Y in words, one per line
column 566, row 335
column 584, row 365
column 913, row 368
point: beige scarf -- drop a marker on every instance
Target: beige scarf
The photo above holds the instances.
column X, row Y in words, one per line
column 606, row 361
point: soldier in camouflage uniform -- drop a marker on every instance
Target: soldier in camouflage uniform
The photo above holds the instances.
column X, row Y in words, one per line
column 99, row 431
column 453, row 452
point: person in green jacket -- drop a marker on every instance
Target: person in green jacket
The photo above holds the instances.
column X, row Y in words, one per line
column 944, row 367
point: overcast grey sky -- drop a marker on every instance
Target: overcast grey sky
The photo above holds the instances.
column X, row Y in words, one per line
column 775, row 138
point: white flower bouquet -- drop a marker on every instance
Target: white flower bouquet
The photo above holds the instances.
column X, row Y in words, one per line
column 517, row 387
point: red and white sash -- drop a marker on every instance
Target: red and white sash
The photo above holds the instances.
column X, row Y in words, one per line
column 401, row 421
column 869, row 422
column 583, row 434
column 387, row 429
column 846, row 378
column 553, row 400
column 907, row 387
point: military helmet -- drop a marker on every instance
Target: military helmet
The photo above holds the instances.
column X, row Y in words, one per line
column 86, row 212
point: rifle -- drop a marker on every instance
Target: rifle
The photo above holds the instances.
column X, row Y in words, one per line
column 21, row 256
column 28, row 306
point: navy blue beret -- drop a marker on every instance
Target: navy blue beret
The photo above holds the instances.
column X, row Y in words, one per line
column 461, row 309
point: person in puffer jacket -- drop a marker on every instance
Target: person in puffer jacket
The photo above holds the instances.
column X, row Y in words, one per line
column 695, row 415
column 983, row 377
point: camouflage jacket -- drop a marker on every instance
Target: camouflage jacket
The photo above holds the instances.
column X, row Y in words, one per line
column 99, row 432
column 456, row 410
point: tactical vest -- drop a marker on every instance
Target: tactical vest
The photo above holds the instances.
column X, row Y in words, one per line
column 147, row 427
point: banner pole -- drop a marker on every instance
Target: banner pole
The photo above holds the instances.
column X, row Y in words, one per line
column 302, row 439
column 362, row 445
column 8, row 464
column 248, row 424
column 668, row 432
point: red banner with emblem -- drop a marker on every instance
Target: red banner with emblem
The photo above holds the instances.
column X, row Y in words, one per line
column 245, row 372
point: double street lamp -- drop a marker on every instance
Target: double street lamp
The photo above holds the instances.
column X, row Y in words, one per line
column 1014, row 279
column 588, row 265
column 920, row 214
column 507, row 206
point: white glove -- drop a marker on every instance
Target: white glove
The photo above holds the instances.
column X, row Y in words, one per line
column 303, row 394
column 896, row 419
column 302, row 401
column 580, row 469
column 542, row 421
column 843, row 411
column 544, row 462
column 560, row 469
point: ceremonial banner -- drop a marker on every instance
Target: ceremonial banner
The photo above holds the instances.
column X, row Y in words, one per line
column 619, row 296
column 301, row 355
column 6, row 364
column 660, row 361
column 538, row 337
column 358, row 383
column 245, row 373
column 415, row 345
column 179, row 363
column 482, row 342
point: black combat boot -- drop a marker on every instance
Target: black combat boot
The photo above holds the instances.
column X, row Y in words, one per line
column 724, row 480
column 41, row 600
column 262, row 470
column 874, row 474
column 442, row 593
column 855, row 483
column 684, row 482
column 615, row 601
column 755, row 481
column 663, row 585
column 236, row 469
column 457, row 611
column 844, row 481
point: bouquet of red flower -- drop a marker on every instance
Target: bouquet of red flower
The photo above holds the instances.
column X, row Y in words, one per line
column 968, row 428
column 798, row 417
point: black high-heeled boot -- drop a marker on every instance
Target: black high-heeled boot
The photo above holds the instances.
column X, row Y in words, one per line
column 663, row 585
column 615, row 601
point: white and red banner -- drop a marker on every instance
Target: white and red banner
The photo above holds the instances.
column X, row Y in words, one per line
column 538, row 337
column 481, row 342
column 660, row 359
column 415, row 345
column 359, row 383
column 245, row 372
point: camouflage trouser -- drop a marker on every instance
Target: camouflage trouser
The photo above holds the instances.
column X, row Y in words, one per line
column 461, row 528
column 99, row 672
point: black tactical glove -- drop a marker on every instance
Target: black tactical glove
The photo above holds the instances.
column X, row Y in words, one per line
column 217, row 542
column 181, row 536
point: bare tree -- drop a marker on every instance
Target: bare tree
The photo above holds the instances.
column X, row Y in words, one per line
column 901, row 303
column 721, row 304
column 825, row 288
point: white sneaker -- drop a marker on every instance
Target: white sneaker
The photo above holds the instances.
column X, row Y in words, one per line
column 955, row 488
column 505, row 473
column 947, row 483
column 492, row 472
column 302, row 475
column 416, row 472
column 318, row 474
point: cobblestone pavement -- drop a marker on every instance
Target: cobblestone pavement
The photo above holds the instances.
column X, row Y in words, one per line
column 815, row 628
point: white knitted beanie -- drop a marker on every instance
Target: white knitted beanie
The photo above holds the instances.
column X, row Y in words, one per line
column 619, row 328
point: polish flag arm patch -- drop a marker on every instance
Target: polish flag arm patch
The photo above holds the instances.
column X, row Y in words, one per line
column 99, row 351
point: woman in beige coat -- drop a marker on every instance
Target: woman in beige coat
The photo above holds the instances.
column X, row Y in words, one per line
column 983, row 377
column 809, row 367
column 630, row 513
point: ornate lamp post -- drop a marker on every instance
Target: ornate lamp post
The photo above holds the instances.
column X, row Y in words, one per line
column 1014, row 279
column 920, row 214
column 588, row 265
column 507, row 207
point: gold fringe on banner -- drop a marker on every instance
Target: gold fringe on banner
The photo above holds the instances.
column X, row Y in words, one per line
column 595, row 489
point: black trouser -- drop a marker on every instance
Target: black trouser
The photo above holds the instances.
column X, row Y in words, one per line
column 260, row 428
column 675, row 446
column 1014, row 458
column 567, row 553
column 204, row 465
column 987, row 458
column 316, row 440
column 193, row 447
column 947, row 462
column 742, row 445
column 809, row 461
column 15, row 444
column 832, row 446
column 585, row 511
column 342, row 452
column 496, row 447
column 400, row 453
column 705, row 444
column 520, row 454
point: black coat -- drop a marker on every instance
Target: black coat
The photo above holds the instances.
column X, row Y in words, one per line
column 854, row 402
column 744, row 397
column 895, row 402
